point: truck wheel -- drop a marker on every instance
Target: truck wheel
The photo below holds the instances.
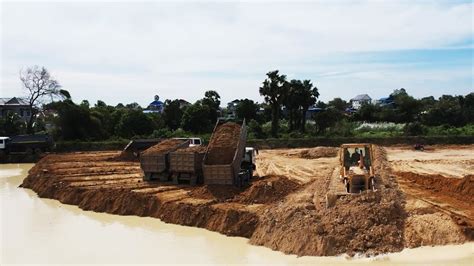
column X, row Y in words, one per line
column 38, row 151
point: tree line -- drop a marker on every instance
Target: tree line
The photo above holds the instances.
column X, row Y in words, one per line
column 282, row 114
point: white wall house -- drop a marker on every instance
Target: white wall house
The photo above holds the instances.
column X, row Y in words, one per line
column 359, row 100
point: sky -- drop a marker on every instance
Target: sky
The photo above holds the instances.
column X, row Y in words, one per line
column 130, row 51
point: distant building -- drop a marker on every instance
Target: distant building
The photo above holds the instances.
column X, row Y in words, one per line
column 311, row 111
column 232, row 108
column 156, row 106
column 360, row 100
column 19, row 106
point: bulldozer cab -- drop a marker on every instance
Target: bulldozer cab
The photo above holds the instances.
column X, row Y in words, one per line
column 356, row 155
column 357, row 171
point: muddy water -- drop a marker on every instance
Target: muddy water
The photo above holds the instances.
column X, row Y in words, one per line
column 35, row 230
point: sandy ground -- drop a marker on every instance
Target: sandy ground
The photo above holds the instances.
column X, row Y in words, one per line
column 438, row 185
column 449, row 161
column 283, row 208
column 286, row 162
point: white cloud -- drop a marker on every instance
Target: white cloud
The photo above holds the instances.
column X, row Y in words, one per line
column 123, row 52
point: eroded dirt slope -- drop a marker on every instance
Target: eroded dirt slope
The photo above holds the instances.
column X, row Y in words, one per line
column 439, row 187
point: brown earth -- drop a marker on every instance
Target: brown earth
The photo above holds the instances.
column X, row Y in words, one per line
column 439, row 188
column 223, row 144
column 315, row 153
column 198, row 149
column 165, row 146
column 283, row 209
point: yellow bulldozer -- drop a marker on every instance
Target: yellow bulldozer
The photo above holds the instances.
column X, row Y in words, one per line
column 356, row 173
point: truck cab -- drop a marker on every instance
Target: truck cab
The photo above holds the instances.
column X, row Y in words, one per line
column 3, row 143
column 192, row 141
column 250, row 156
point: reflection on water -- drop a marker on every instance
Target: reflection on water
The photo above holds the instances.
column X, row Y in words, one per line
column 35, row 230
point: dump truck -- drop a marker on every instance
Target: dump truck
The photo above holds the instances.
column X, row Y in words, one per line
column 225, row 153
column 186, row 164
column 136, row 146
column 26, row 144
column 154, row 161
column 356, row 173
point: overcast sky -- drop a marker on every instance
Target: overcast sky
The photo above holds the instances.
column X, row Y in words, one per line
column 128, row 52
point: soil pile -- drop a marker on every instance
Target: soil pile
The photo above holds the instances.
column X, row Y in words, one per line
column 318, row 152
column 165, row 146
column 223, row 144
column 268, row 190
column 432, row 229
column 461, row 189
column 198, row 149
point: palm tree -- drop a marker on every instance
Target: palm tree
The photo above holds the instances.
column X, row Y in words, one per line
column 274, row 89
column 310, row 95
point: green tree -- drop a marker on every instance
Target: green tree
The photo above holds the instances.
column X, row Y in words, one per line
column 338, row 104
column 196, row 118
column 135, row 123
column 274, row 89
column 134, row 106
column 10, row 125
column 212, row 99
column 408, row 108
column 310, row 95
column 75, row 122
column 246, row 109
column 292, row 101
column 172, row 114
column 326, row 119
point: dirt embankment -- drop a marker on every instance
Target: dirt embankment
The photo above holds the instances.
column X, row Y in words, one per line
column 439, row 188
column 283, row 210
column 461, row 189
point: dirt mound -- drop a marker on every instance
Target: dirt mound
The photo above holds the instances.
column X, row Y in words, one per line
column 198, row 149
column 267, row 190
column 223, row 144
column 318, row 152
column 262, row 191
column 461, row 189
column 432, row 229
column 163, row 147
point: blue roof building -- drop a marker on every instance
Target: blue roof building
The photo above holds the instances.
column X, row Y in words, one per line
column 156, row 106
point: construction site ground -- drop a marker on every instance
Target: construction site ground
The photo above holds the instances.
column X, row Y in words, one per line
column 284, row 207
